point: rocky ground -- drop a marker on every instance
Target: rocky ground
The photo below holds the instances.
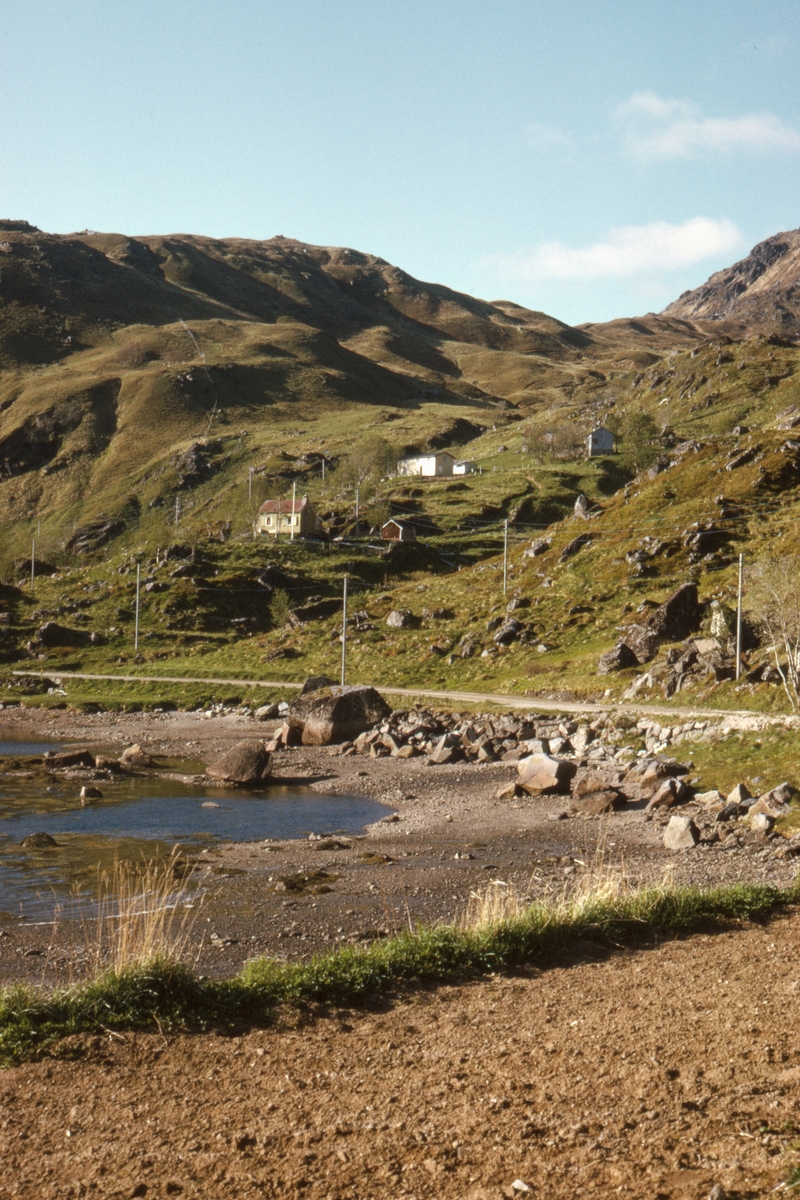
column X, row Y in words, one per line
column 446, row 835
column 668, row 1071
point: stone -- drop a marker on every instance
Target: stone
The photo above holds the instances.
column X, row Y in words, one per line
column 38, row 841
column 641, row 640
column 209, row 804
column 730, row 811
column 267, row 712
column 337, row 714
column 671, row 791
column 69, row 758
column 538, row 546
column 681, row 833
column 245, row 764
column 135, row 756
column 597, row 779
column 772, row 803
column 620, row 658
column 445, row 751
column 583, row 508
column 738, row 795
column 678, row 616
column 598, row 803
column 107, row 764
column 507, row 791
column 761, row 822
column 508, row 632
column 572, row 548
column 539, row 774
column 400, row 618
column 407, row 751
column 90, row 793
column 710, row 800
column 646, row 773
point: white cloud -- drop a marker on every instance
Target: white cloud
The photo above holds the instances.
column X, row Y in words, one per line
column 658, row 128
column 626, row 251
column 547, row 137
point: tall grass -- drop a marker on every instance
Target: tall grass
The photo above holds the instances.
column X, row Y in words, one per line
column 148, row 991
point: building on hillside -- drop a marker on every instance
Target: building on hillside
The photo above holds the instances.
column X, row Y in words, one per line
column 296, row 518
column 465, row 467
column 397, row 530
column 427, row 466
column 600, row 441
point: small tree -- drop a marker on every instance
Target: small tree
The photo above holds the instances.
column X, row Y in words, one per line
column 773, row 594
column 279, row 609
column 638, row 433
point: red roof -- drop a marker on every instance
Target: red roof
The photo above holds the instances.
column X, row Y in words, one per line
column 284, row 506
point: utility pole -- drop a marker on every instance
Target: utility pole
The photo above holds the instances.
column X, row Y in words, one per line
column 323, row 470
column 250, row 483
column 505, row 557
column 177, row 512
column 739, row 620
column 344, row 626
column 356, row 512
column 39, row 529
column 136, row 628
column 33, row 560
column 291, row 535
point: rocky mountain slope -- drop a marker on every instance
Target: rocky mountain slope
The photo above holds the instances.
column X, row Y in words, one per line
column 761, row 293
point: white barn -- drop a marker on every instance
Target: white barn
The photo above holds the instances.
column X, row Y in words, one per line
column 465, row 467
column 600, row 441
column 428, row 466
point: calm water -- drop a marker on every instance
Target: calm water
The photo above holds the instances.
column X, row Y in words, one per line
column 136, row 818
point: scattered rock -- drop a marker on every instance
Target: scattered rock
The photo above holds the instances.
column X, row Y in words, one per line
column 245, row 764
column 681, row 833
column 400, row 618
column 774, row 803
column 68, row 758
column 572, row 548
column 641, row 640
column 618, row 659
column 90, row 793
column 135, row 756
column 678, row 616
column 761, row 822
column 738, row 795
column 598, row 803
column 671, row 791
column 267, row 712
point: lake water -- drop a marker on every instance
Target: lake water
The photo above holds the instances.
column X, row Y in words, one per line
column 138, row 817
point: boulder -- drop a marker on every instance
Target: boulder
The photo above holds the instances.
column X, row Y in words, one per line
column 671, row 791
column 107, row 764
column 53, row 634
column 572, row 548
column 245, row 764
column 620, row 658
column 135, row 756
column 540, row 774
column 315, row 683
column 597, row 779
column 69, row 758
column 710, row 800
column 678, row 616
column 446, row 750
column 267, row 712
column 506, row 791
column 38, row 841
column 400, row 618
column 641, row 640
column 739, row 795
column 337, row 714
column 761, row 823
column 88, row 794
column 774, row 803
column 681, row 833
column 583, row 508
column 596, row 804
column 508, row 632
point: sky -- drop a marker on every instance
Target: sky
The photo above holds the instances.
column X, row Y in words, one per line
column 588, row 158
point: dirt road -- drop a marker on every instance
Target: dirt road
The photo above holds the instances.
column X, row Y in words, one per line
column 659, row 1072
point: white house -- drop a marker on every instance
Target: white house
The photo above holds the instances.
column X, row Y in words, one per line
column 465, row 467
column 428, row 466
column 296, row 518
column 600, row 441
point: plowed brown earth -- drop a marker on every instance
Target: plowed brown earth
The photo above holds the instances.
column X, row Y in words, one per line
column 662, row 1071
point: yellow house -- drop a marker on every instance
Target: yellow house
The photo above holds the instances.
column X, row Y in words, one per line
column 296, row 518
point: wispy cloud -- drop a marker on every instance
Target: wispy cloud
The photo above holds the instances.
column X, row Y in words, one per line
column 626, row 251
column 547, row 137
column 659, row 128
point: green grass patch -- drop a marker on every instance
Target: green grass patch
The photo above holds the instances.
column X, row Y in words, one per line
column 165, row 995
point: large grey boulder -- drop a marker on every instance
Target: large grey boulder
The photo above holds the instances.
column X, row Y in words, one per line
column 540, row 774
column 641, row 640
column 671, row 791
column 400, row 618
column 245, row 764
column 337, row 714
column 678, row 616
column 681, row 833
column 774, row 803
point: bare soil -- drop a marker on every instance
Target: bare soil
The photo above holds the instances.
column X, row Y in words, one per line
column 657, row 1072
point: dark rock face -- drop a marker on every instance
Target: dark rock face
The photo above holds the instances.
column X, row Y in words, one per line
column 337, row 714
column 618, row 659
column 678, row 616
column 53, row 634
column 93, row 536
column 572, row 548
column 507, row 633
column 245, row 764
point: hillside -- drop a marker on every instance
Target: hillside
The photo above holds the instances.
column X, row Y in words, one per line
column 761, row 293
column 156, row 390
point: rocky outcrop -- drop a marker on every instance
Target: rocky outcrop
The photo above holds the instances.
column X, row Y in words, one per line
column 678, row 616
column 620, row 658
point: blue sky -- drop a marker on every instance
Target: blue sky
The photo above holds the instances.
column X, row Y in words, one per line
column 589, row 158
